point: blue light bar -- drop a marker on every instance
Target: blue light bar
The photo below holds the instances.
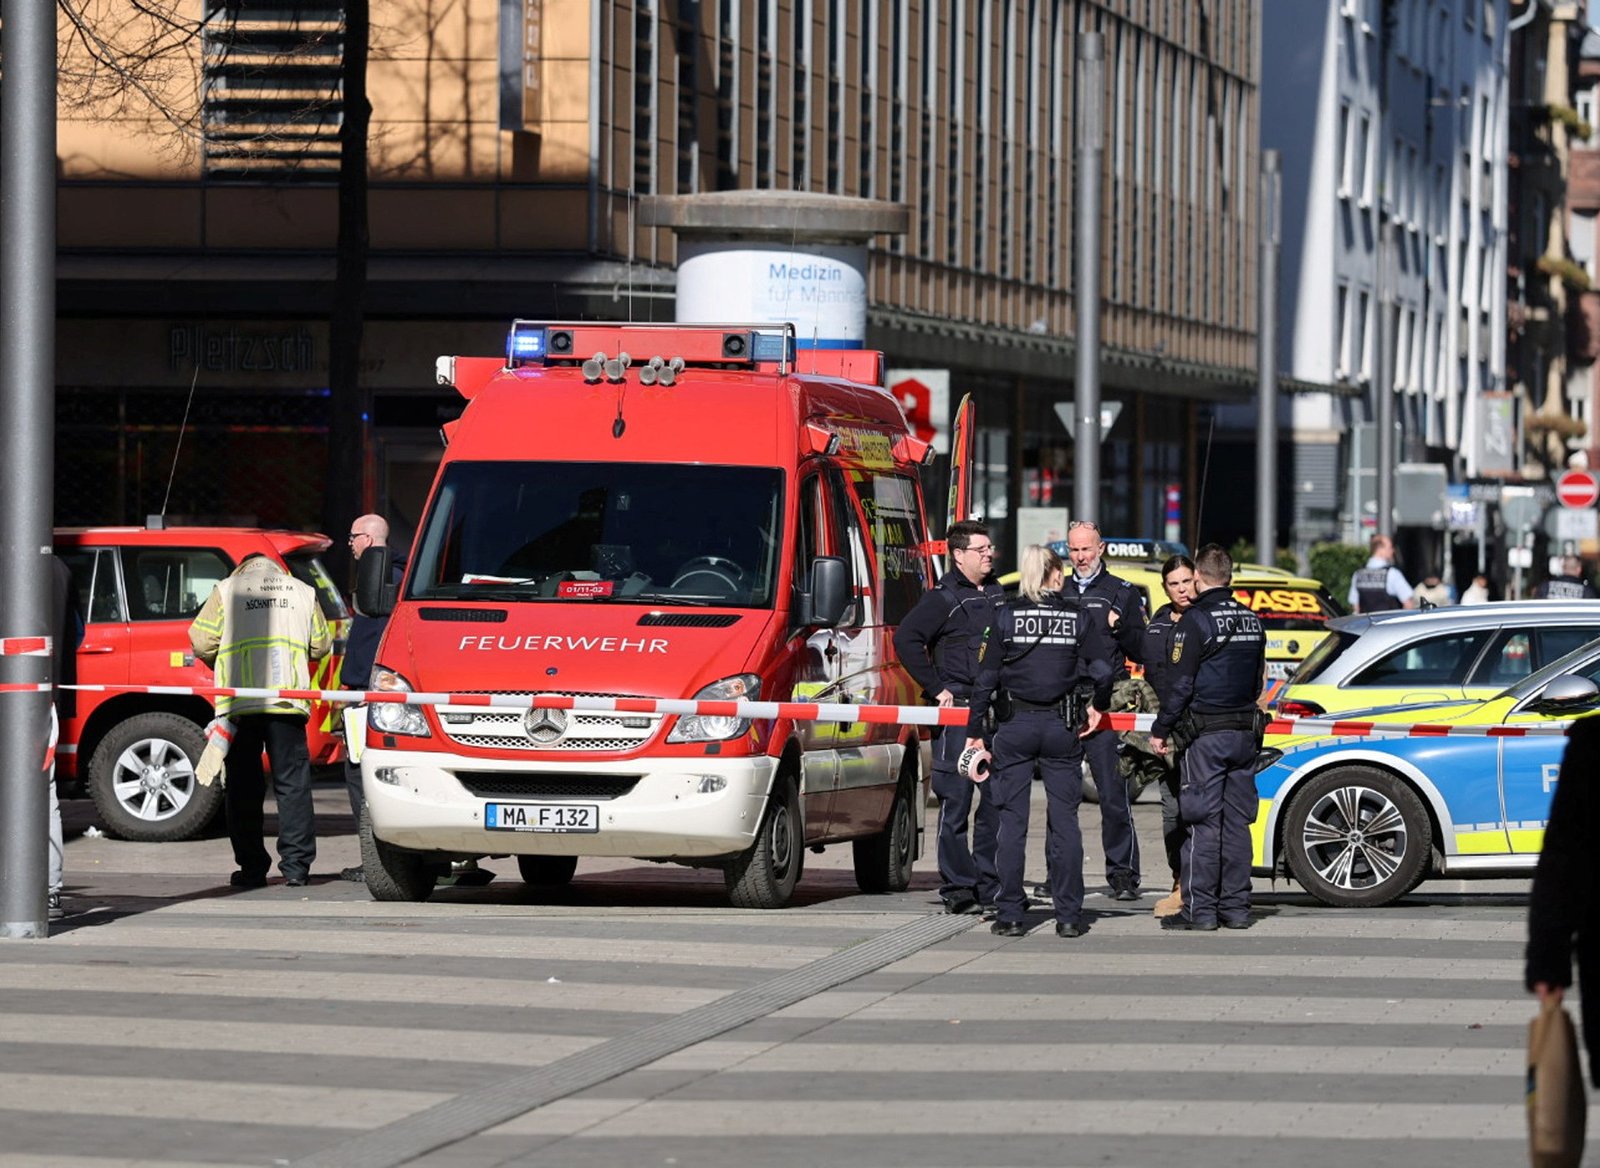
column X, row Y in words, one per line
column 526, row 343
column 772, row 347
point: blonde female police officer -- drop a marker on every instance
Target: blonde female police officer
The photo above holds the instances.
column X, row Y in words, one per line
column 1036, row 651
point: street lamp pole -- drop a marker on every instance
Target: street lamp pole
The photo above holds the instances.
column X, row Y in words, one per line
column 1383, row 382
column 1267, row 363
column 1091, row 121
column 27, row 466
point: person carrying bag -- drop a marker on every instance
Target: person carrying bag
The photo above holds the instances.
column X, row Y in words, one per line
column 1562, row 925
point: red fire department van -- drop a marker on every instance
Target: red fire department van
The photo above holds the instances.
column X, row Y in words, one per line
column 686, row 512
column 138, row 588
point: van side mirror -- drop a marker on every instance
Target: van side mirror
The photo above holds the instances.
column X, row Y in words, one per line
column 376, row 594
column 825, row 603
column 1567, row 694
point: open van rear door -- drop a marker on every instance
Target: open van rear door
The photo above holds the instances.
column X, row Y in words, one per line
column 963, row 436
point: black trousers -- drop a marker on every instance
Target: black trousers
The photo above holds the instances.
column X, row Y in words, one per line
column 284, row 738
column 964, row 869
column 1173, row 829
column 1117, row 837
column 1218, row 802
column 1038, row 737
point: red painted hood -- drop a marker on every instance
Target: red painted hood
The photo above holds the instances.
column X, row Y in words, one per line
column 575, row 647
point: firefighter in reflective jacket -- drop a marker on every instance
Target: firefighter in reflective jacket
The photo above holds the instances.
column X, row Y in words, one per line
column 262, row 628
column 1218, row 654
column 1035, row 653
column 1380, row 586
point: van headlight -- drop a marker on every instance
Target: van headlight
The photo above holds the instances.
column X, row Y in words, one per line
column 393, row 717
column 745, row 687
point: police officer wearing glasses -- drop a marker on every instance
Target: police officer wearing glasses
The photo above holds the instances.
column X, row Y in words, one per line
column 1031, row 661
column 1114, row 605
column 938, row 644
column 1217, row 658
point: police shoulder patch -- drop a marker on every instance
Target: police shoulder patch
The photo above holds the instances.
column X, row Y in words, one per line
column 1177, row 647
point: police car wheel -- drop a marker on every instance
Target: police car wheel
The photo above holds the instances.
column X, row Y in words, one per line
column 883, row 861
column 549, row 871
column 1357, row 837
column 393, row 873
column 765, row 876
column 142, row 780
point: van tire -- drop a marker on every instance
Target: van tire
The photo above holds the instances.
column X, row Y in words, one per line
column 883, row 861
column 547, row 871
column 393, row 873
column 169, row 744
column 765, row 876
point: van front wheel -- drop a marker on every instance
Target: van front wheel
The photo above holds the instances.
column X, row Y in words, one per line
column 765, row 876
column 393, row 873
column 883, row 861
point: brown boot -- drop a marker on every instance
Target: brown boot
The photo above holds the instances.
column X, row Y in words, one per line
column 1171, row 904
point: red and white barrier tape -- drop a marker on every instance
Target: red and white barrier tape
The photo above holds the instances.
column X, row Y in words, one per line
column 793, row 711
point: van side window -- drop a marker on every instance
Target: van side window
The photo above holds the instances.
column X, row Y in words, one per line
column 900, row 576
column 846, row 542
column 809, row 531
column 170, row 583
column 94, row 579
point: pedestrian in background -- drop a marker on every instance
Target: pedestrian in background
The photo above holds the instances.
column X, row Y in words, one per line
column 66, row 634
column 360, row 654
column 1116, row 607
column 1380, row 586
column 1177, row 581
column 1477, row 592
column 1031, row 655
column 1218, row 654
column 1564, row 905
column 1570, row 584
column 262, row 628
column 1434, row 592
column 938, row 643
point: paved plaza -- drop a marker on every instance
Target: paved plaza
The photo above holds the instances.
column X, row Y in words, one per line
column 635, row 1019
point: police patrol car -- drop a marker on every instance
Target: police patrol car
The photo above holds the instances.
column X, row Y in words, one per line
column 1360, row 821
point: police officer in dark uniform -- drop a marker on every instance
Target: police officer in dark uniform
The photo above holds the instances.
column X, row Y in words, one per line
column 1177, row 580
column 938, row 643
column 1380, row 586
column 1570, row 585
column 1117, row 609
column 1218, row 654
column 1031, row 655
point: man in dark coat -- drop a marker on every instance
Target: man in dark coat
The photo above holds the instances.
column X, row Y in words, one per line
column 1562, row 908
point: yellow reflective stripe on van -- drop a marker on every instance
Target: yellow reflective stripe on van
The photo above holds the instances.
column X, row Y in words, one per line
column 1482, row 843
column 1258, row 834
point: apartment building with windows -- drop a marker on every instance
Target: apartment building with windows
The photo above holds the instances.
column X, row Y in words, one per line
column 510, row 145
column 1391, row 117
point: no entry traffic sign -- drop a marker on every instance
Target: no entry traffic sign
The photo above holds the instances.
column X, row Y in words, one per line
column 1578, row 488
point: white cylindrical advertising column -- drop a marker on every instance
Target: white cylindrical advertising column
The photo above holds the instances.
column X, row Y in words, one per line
column 820, row 289
column 776, row 257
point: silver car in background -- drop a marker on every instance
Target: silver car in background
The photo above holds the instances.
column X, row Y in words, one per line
column 1436, row 654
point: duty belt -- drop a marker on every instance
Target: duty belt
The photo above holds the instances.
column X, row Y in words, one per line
column 1229, row 720
column 1025, row 704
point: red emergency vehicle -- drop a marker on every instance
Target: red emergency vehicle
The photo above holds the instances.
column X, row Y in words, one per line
column 662, row 512
column 137, row 589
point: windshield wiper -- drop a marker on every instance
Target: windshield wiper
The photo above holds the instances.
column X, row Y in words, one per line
column 678, row 598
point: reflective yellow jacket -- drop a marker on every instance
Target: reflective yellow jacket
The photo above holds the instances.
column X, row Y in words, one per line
column 261, row 628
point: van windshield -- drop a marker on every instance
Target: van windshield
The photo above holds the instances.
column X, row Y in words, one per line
column 651, row 533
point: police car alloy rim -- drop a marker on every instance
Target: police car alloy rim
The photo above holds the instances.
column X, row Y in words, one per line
column 1355, row 837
